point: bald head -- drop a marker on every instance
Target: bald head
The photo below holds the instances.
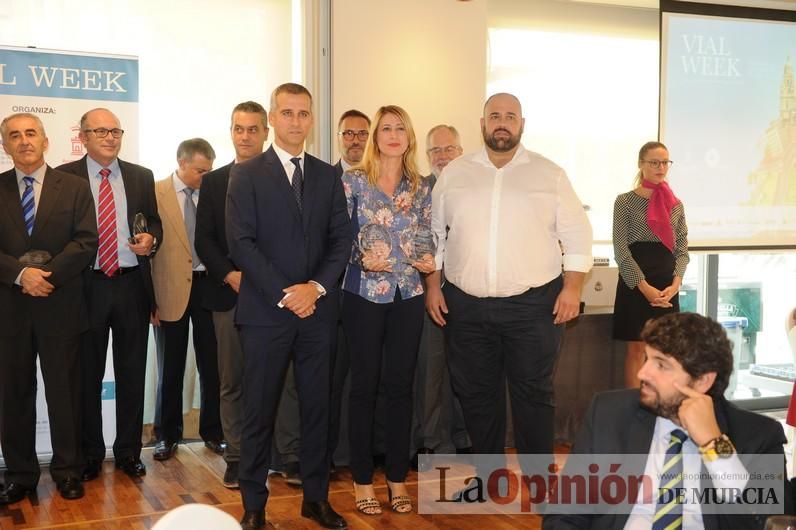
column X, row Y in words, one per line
column 502, row 124
column 101, row 149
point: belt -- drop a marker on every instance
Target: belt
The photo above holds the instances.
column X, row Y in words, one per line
column 121, row 271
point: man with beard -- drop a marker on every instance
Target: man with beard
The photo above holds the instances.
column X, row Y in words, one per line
column 353, row 129
column 680, row 413
column 504, row 216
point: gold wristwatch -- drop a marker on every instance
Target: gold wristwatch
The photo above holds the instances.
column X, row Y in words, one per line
column 720, row 447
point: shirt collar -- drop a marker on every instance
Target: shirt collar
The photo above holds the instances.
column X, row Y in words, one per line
column 179, row 185
column 520, row 155
column 664, row 428
column 345, row 165
column 285, row 157
column 38, row 175
column 94, row 167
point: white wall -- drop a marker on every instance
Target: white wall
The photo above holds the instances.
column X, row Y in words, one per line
column 197, row 59
column 428, row 56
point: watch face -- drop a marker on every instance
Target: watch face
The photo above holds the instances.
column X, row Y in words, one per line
column 724, row 447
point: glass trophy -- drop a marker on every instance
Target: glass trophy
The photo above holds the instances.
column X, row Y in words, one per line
column 374, row 239
column 424, row 243
column 139, row 227
column 35, row 258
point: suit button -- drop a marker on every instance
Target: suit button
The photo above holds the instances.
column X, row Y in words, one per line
column 189, row 280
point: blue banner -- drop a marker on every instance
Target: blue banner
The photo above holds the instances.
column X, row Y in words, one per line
column 42, row 74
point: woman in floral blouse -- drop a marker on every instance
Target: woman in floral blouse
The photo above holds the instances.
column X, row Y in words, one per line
column 390, row 208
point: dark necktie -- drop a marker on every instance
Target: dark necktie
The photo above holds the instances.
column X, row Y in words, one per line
column 298, row 182
column 190, row 224
column 28, row 204
column 106, row 225
column 668, row 510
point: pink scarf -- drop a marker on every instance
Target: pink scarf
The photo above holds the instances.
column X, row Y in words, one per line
column 659, row 212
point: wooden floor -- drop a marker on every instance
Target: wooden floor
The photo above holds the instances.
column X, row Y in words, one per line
column 115, row 501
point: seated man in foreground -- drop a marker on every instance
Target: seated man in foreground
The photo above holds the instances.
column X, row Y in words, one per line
column 680, row 419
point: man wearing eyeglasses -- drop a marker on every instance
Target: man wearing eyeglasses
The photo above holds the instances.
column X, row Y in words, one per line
column 119, row 287
column 353, row 129
column 438, row 424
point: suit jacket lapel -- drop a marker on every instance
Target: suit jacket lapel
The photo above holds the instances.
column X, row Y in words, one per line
column 48, row 199
column 282, row 182
column 10, row 195
column 171, row 210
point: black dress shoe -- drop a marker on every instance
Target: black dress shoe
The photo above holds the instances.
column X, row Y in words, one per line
column 70, row 488
column 291, row 474
column 131, row 465
column 217, row 446
column 92, row 470
column 322, row 513
column 15, row 492
column 231, row 476
column 164, row 450
column 253, row 520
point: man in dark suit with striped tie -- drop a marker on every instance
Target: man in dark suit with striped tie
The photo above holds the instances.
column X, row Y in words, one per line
column 48, row 237
column 119, row 287
column 680, row 419
column 287, row 230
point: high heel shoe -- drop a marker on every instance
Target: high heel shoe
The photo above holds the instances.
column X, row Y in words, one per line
column 367, row 505
column 399, row 503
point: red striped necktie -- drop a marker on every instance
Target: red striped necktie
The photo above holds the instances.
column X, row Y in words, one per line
column 106, row 224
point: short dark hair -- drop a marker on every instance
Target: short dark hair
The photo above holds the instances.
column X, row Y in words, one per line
column 289, row 88
column 251, row 107
column 698, row 343
column 188, row 148
column 353, row 113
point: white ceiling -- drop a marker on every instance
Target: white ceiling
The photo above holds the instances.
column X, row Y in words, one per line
column 654, row 4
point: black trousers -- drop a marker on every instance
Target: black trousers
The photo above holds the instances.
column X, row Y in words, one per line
column 118, row 305
column 515, row 335
column 172, row 349
column 267, row 351
column 58, row 356
column 371, row 329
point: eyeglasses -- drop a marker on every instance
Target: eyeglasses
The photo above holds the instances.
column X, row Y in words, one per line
column 102, row 132
column 658, row 163
column 448, row 150
column 348, row 134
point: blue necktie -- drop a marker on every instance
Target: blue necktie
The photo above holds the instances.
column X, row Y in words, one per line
column 668, row 510
column 28, row 203
column 298, row 181
column 190, row 224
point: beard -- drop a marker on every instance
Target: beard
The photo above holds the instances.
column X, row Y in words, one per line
column 501, row 145
column 668, row 408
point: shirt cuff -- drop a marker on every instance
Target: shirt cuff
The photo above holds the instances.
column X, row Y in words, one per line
column 18, row 281
column 321, row 288
column 578, row 262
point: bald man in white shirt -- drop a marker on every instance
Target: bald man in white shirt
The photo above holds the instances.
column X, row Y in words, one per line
column 508, row 223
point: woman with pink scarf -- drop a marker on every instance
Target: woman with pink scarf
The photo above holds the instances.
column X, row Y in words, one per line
column 651, row 250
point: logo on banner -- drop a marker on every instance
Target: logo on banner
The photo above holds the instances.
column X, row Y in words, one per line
column 77, row 145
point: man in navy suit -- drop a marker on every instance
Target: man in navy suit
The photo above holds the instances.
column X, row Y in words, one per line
column 42, row 307
column 120, row 298
column 287, row 230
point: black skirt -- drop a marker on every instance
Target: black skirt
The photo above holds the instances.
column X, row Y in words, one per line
column 631, row 309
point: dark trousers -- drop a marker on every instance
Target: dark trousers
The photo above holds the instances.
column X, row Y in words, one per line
column 172, row 350
column 371, row 328
column 438, row 421
column 58, row 356
column 267, row 351
column 119, row 305
column 515, row 335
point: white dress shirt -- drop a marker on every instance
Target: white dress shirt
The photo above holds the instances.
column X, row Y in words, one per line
column 509, row 226
column 644, row 511
column 289, row 166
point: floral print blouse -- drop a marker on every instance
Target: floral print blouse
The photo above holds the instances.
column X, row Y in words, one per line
column 392, row 223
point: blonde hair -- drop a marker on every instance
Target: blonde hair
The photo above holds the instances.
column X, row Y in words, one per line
column 372, row 157
column 647, row 147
